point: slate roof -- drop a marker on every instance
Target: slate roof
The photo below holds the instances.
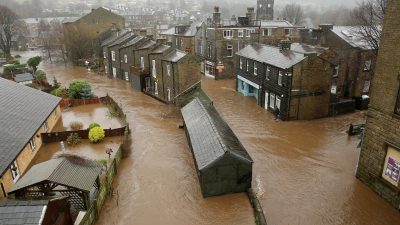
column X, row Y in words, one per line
column 160, row 49
column 306, row 49
column 132, row 42
column 23, row 110
column 62, row 171
column 351, row 35
column 23, row 77
column 271, row 55
column 191, row 31
column 22, row 212
column 122, row 40
column 276, row 23
column 147, row 44
column 210, row 136
column 114, row 38
column 175, row 56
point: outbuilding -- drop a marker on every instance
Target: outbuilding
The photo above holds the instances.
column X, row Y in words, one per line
column 222, row 163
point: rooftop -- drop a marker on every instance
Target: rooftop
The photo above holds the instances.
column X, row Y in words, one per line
column 23, row 77
column 23, row 111
column 175, row 56
column 22, row 212
column 351, row 35
column 210, row 136
column 271, row 55
column 306, row 49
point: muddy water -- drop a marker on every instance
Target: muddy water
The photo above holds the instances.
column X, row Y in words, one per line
column 303, row 171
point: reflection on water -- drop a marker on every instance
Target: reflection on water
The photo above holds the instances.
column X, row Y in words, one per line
column 303, row 171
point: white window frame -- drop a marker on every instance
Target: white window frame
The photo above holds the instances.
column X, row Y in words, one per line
column 32, row 144
column 272, row 101
column 255, row 68
column 336, row 68
column 126, row 76
column 280, row 78
column 228, row 34
column 241, row 63
column 125, row 58
column 268, row 73
column 168, row 70
column 278, row 102
column 266, row 101
column 169, row 94
column 106, row 69
column 114, row 71
column 18, row 174
column 267, row 32
column 153, row 70
column 112, row 55
column 156, row 88
column 229, row 49
column 141, row 62
column 240, row 33
column 247, row 65
column 290, row 31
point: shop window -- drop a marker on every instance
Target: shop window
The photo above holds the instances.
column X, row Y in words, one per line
column 391, row 168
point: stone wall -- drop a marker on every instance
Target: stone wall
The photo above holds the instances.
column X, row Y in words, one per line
column 382, row 128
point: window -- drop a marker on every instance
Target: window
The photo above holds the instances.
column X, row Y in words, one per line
column 240, row 33
column 176, row 41
column 155, row 88
column 268, row 73
column 255, row 68
column 32, row 144
column 169, row 94
column 247, row 65
column 268, row 32
column 335, row 71
column 229, row 52
column 367, row 65
column 169, row 70
column 272, row 101
column 278, row 103
column 126, row 58
column 106, row 69
column 228, row 33
column 367, row 84
column 114, row 72
column 46, row 126
column 288, row 31
column 247, row 33
column 105, row 54
column 14, row 171
column 209, row 51
column 333, row 89
column 153, row 65
column 142, row 63
column 241, row 63
column 113, row 56
column 280, row 78
column 127, row 76
column 266, row 100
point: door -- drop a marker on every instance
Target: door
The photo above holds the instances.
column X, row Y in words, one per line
column 266, row 100
column 114, row 72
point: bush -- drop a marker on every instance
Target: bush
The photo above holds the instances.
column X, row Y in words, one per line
column 76, row 125
column 40, row 75
column 61, row 92
column 34, row 62
column 17, row 56
column 96, row 134
column 79, row 89
column 93, row 125
column 74, row 139
column 14, row 68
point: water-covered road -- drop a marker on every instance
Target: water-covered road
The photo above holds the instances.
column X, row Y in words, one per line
column 303, row 171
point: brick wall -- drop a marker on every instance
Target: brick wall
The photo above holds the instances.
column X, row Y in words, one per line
column 382, row 128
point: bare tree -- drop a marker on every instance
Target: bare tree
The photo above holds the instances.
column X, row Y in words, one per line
column 369, row 16
column 294, row 13
column 8, row 27
column 79, row 43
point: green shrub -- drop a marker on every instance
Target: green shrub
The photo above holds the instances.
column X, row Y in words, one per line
column 17, row 56
column 76, row 125
column 74, row 139
column 40, row 75
column 96, row 134
column 79, row 89
column 34, row 62
column 61, row 92
column 93, row 125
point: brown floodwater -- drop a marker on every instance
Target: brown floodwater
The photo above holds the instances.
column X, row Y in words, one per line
column 303, row 170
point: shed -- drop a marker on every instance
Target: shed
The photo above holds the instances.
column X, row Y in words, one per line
column 24, row 78
column 35, row 212
column 65, row 176
column 222, row 163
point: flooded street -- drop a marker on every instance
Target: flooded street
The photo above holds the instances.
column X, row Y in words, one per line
column 303, row 171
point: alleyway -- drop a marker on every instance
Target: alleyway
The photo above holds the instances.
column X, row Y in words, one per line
column 303, row 171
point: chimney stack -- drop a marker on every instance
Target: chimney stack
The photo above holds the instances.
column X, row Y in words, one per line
column 285, row 45
column 216, row 16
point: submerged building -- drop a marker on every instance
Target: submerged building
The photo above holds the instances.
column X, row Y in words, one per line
column 222, row 163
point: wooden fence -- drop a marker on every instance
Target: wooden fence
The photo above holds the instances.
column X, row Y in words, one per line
column 75, row 102
column 62, row 136
column 92, row 214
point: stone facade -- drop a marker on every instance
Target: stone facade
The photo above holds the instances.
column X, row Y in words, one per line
column 379, row 159
column 26, row 156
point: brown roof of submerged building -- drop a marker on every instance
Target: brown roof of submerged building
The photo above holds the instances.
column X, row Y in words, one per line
column 210, row 136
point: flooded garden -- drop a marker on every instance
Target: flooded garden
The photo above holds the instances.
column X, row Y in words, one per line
column 304, row 171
